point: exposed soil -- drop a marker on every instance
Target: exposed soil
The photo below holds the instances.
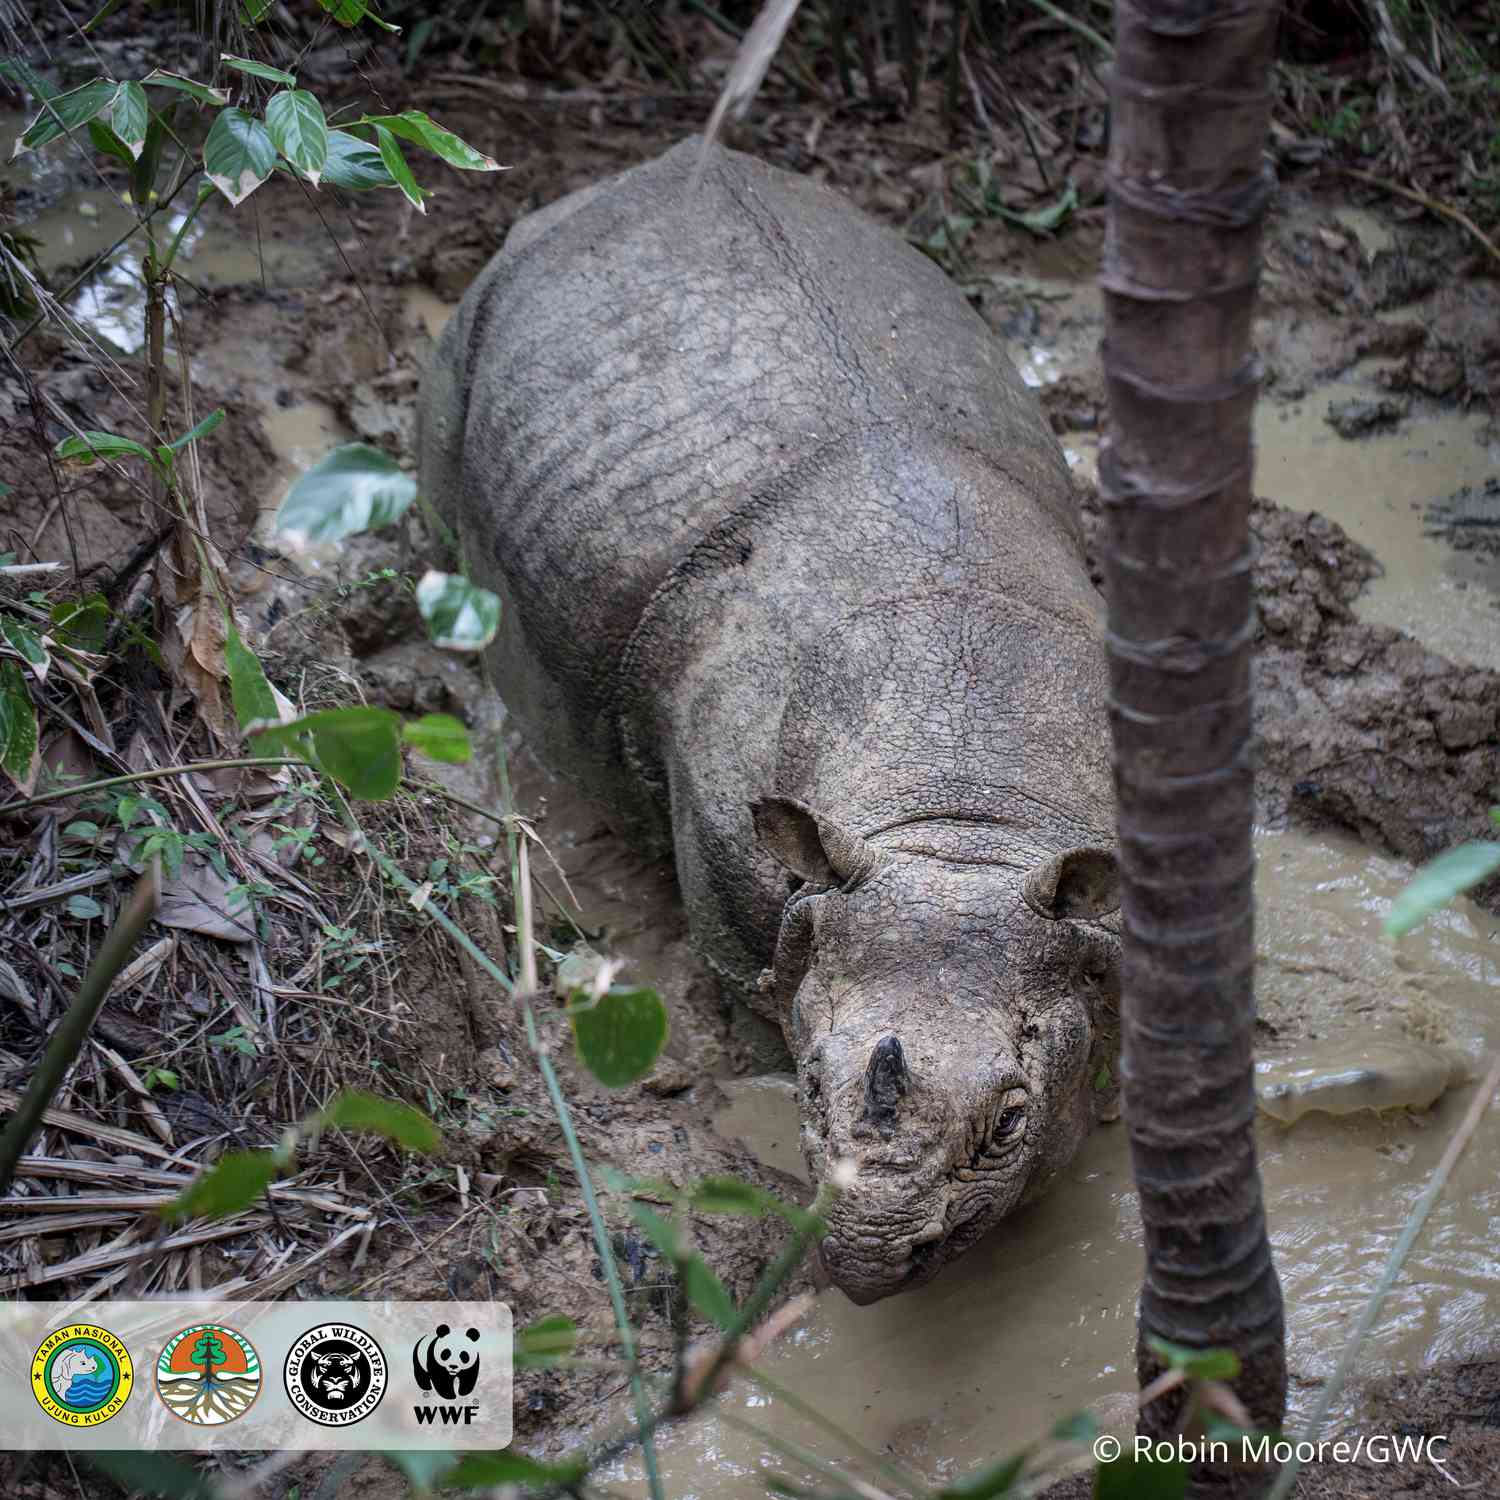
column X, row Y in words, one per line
column 1360, row 726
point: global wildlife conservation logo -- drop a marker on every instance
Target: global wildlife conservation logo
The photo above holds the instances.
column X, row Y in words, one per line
column 81, row 1375
column 335, row 1374
column 208, row 1374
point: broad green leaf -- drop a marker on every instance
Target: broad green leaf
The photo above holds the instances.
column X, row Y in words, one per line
column 106, row 140
column 161, row 79
column 440, row 737
column 460, row 615
column 299, row 131
column 238, row 155
column 992, row 1480
column 65, row 112
column 86, row 447
column 254, row 702
column 19, row 757
column 1437, row 883
column 1196, row 1364
column 543, row 1343
column 662, row 1233
column 85, row 908
column 143, row 1472
column 23, row 640
column 203, row 429
column 478, row 1471
column 129, row 116
column 728, row 1195
column 619, row 1035
column 424, row 1469
column 1130, row 1478
column 351, row 1109
column 24, row 74
column 345, row 12
column 355, row 488
column 354, row 165
column 253, row 12
column 707, row 1293
column 1078, row 1428
column 235, row 1182
column 359, row 747
column 395, row 164
column 258, row 69
column 82, row 624
column 422, row 130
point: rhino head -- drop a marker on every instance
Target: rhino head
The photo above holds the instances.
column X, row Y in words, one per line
column 954, row 1023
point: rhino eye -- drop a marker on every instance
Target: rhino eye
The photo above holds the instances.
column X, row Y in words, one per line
column 1009, row 1125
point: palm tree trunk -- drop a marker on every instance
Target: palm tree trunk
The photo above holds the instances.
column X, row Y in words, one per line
column 1188, row 190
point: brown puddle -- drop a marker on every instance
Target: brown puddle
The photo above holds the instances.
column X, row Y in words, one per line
column 1038, row 1321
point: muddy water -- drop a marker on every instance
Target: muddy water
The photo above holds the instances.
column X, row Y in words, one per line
column 1038, row 1321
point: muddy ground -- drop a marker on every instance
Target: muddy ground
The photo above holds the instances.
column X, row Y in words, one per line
column 323, row 335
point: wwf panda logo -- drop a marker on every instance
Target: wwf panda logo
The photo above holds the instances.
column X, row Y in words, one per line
column 445, row 1363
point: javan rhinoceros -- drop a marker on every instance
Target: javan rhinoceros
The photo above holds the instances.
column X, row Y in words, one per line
column 793, row 580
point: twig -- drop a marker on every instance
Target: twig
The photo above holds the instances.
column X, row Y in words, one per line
column 1399, row 1251
column 72, row 1031
column 1433, row 205
column 156, row 774
column 1084, row 30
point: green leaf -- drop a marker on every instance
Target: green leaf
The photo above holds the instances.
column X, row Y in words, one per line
column 351, row 1109
column 354, row 165
column 620, row 1035
column 1196, row 1364
column 545, row 1342
column 234, row 1183
column 82, row 829
column 250, row 692
column 440, row 737
column 728, row 1195
column 707, row 1293
column 1052, row 216
column 85, row 448
column 147, row 1473
column 161, row 79
column 253, row 12
column 299, row 131
column 29, row 79
column 663, row 1233
column 129, row 116
column 1130, row 1478
column 395, row 164
column 345, row 12
column 106, row 140
column 23, row 640
column 460, row 615
column 1078, row 1428
column 258, row 69
column 203, row 429
column 355, row 488
column 65, row 112
column 424, row 1469
column 19, row 756
column 1437, row 883
column 82, row 624
column 422, row 130
column 359, row 747
column 477, row 1471
column 85, row 908
column 238, row 155
column 986, row 1483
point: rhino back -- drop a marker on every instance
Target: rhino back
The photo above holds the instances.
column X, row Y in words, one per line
column 640, row 362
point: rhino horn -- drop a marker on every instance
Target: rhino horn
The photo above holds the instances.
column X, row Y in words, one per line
column 1082, row 883
column 886, row 1081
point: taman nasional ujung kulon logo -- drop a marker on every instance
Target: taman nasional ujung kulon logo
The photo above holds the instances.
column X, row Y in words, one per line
column 335, row 1374
column 81, row 1375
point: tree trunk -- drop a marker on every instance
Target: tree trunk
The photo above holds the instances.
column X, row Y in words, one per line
column 1187, row 193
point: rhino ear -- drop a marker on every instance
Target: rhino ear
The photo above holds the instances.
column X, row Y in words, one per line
column 1076, row 883
column 814, row 848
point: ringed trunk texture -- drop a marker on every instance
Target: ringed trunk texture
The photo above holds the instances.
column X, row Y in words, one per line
column 1187, row 194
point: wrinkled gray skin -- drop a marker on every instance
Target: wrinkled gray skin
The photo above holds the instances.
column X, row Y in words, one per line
column 778, row 528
